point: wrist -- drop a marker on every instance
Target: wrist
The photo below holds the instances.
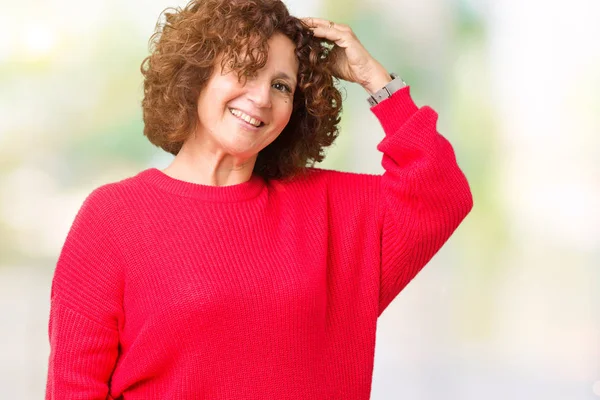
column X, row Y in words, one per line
column 378, row 78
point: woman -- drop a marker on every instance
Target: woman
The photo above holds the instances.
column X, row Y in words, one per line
column 240, row 271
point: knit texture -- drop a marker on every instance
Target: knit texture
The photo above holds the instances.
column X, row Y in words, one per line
column 166, row 289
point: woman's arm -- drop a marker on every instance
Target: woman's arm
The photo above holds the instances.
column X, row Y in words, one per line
column 85, row 306
column 424, row 194
column 82, row 356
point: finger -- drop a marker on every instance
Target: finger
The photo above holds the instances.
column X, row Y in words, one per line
column 334, row 35
column 342, row 27
column 322, row 28
column 324, row 23
column 312, row 22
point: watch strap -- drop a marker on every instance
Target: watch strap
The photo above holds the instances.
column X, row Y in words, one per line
column 393, row 86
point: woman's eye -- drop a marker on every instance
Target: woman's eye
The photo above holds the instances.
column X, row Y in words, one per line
column 282, row 87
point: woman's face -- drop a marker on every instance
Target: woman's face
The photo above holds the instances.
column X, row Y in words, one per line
column 241, row 119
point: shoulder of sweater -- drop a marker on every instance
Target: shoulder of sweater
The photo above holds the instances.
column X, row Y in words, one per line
column 110, row 197
column 111, row 190
column 342, row 176
column 316, row 178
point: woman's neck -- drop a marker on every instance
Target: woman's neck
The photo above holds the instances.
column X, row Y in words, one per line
column 198, row 164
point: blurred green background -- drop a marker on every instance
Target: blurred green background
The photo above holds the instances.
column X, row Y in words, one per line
column 509, row 308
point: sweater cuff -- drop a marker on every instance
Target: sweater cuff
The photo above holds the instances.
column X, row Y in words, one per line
column 394, row 111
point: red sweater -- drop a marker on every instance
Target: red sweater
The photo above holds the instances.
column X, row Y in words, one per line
column 166, row 289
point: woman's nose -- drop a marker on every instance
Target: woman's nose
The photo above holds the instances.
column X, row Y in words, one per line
column 259, row 93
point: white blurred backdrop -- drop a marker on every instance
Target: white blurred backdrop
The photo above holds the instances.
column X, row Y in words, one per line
column 508, row 309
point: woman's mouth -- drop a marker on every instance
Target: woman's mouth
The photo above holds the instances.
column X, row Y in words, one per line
column 255, row 123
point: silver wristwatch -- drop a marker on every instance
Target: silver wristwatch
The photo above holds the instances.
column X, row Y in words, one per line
column 396, row 84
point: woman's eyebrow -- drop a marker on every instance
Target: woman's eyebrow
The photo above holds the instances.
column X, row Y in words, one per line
column 283, row 75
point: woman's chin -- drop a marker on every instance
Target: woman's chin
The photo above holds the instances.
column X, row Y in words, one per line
column 241, row 151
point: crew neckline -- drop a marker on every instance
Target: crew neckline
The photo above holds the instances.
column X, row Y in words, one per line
column 232, row 193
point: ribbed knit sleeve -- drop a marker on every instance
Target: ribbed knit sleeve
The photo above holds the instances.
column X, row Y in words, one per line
column 424, row 194
column 86, row 306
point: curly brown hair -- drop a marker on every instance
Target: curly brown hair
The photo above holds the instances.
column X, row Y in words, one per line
column 183, row 52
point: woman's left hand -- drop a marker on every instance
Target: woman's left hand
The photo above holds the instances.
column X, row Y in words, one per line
column 353, row 61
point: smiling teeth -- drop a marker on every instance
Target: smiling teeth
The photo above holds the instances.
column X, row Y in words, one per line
column 245, row 117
